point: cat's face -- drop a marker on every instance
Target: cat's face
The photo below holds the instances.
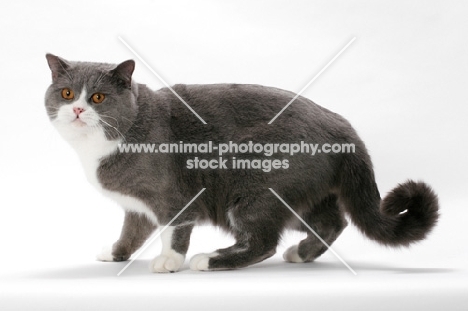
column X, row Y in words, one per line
column 89, row 98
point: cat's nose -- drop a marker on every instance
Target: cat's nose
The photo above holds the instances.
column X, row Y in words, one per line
column 77, row 110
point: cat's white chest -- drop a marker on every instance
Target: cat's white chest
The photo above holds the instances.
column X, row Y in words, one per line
column 90, row 150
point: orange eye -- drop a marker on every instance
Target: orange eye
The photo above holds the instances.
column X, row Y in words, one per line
column 98, row 98
column 68, row 94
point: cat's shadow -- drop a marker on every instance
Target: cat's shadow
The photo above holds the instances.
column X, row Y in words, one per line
column 357, row 267
column 269, row 268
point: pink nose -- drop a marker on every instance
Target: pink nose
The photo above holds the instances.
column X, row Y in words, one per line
column 77, row 110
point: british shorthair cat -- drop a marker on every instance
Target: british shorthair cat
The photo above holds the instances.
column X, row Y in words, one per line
column 97, row 108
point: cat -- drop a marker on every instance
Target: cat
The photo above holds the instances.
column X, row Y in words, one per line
column 97, row 107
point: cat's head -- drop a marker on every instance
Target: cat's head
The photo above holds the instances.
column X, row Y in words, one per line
column 87, row 98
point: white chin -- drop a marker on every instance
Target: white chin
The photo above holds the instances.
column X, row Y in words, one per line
column 72, row 130
column 78, row 123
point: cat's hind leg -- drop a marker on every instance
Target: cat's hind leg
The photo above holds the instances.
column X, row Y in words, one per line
column 328, row 221
column 256, row 225
column 245, row 252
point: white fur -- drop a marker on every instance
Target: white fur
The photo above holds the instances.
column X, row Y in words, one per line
column 105, row 254
column 200, row 262
column 87, row 137
column 232, row 220
column 169, row 260
column 292, row 254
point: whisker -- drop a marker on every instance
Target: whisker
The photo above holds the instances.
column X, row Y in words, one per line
column 129, row 121
column 56, row 108
column 113, row 127
column 106, row 132
column 126, row 119
column 121, row 117
column 106, row 116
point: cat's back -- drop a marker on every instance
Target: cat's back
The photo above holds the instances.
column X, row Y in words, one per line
column 245, row 101
column 237, row 110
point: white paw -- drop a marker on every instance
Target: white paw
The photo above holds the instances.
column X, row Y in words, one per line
column 105, row 254
column 292, row 255
column 200, row 262
column 170, row 262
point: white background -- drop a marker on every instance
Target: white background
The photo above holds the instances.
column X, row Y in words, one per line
column 402, row 84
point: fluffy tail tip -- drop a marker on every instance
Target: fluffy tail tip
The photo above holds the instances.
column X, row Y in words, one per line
column 416, row 209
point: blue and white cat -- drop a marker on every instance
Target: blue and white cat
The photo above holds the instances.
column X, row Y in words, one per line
column 97, row 106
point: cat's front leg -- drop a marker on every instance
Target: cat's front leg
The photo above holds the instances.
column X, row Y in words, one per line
column 175, row 242
column 136, row 229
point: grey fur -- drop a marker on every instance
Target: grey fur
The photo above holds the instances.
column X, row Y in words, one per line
column 320, row 188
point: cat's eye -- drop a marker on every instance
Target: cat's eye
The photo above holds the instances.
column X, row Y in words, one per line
column 98, row 98
column 68, row 94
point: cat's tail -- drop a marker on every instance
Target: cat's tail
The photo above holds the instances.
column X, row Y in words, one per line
column 406, row 215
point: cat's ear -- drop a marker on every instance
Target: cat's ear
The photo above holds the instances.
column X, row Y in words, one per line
column 124, row 72
column 57, row 65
